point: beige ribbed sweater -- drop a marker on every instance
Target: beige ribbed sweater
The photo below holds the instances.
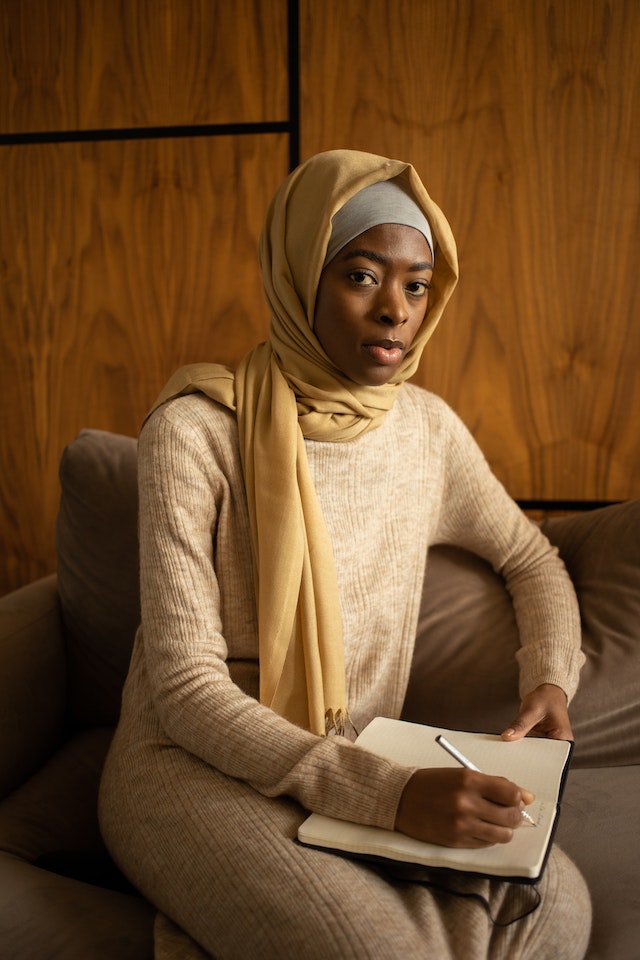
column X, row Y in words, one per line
column 386, row 497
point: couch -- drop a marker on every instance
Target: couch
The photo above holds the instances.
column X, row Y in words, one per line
column 65, row 642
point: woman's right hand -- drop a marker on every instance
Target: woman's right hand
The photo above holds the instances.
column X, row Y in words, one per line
column 460, row 808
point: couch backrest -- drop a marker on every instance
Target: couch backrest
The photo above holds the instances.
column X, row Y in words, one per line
column 464, row 671
column 97, row 547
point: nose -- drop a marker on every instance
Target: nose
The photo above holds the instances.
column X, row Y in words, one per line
column 392, row 318
column 392, row 308
column 390, row 321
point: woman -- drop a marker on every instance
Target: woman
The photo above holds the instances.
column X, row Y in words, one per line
column 285, row 516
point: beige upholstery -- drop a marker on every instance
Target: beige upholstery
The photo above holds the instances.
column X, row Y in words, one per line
column 464, row 669
column 65, row 642
column 464, row 675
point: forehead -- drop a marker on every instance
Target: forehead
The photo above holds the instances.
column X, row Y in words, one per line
column 393, row 241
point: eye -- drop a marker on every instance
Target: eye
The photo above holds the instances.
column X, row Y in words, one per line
column 418, row 288
column 361, row 278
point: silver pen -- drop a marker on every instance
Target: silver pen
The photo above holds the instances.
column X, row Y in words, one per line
column 460, row 757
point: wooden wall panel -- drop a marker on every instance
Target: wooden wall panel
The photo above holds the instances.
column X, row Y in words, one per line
column 72, row 64
column 118, row 263
column 119, row 260
column 122, row 259
column 521, row 116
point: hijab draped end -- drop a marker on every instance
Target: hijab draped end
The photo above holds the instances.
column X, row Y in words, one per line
column 213, row 379
column 336, row 722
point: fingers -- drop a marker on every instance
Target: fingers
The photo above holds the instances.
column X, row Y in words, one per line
column 543, row 713
column 516, row 731
column 537, row 725
column 502, row 812
column 528, row 718
column 498, row 790
column 527, row 796
column 486, row 810
column 460, row 808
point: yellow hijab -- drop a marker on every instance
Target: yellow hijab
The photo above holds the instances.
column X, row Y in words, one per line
column 287, row 390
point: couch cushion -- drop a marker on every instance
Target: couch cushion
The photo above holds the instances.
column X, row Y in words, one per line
column 598, row 829
column 98, row 569
column 51, row 821
column 32, row 680
column 601, row 549
column 46, row 915
column 464, row 671
column 56, row 809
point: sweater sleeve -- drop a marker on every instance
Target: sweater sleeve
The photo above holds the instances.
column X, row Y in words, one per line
column 182, row 487
column 477, row 514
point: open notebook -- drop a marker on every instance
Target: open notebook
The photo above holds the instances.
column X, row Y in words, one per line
column 537, row 764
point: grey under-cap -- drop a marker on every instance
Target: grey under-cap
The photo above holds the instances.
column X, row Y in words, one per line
column 386, row 201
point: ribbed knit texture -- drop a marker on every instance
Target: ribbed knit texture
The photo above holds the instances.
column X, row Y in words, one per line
column 288, row 388
column 184, row 803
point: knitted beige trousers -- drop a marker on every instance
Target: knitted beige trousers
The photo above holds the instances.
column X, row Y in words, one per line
column 220, row 862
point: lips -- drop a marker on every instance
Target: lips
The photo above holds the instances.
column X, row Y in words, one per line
column 388, row 344
column 386, row 352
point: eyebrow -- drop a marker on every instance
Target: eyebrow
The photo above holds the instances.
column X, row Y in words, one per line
column 378, row 258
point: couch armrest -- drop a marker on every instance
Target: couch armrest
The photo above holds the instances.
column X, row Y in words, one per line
column 32, row 680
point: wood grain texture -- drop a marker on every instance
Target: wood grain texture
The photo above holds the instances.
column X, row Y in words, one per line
column 521, row 116
column 118, row 263
column 71, row 64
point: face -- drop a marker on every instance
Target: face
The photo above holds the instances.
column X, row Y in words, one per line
column 372, row 299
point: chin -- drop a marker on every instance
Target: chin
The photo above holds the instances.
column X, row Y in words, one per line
column 374, row 375
column 378, row 376
column 372, row 381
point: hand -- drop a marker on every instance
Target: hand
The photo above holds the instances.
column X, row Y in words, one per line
column 543, row 713
column 460, row 808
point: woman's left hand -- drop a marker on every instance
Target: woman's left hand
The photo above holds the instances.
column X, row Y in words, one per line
column 543, row 713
